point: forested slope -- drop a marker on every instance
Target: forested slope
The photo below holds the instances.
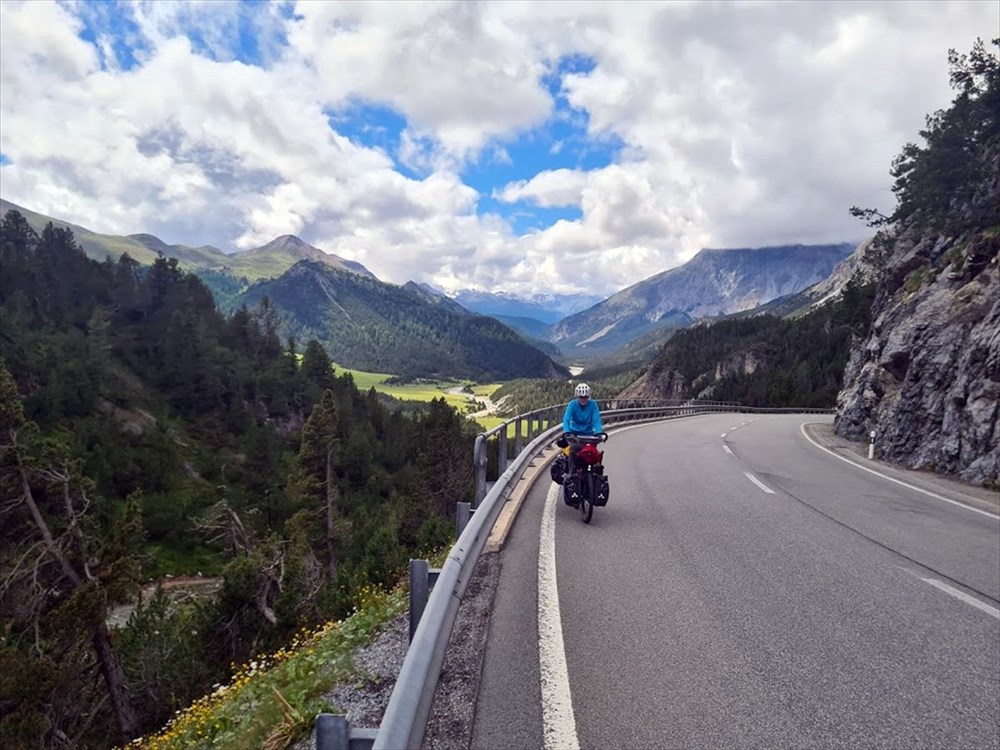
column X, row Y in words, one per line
column 141, row 433
column 369, row 325
column 761, row 361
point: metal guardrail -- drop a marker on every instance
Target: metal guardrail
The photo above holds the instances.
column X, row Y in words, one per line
column 409, row 706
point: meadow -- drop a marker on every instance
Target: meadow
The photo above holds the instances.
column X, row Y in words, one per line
column 425, row 390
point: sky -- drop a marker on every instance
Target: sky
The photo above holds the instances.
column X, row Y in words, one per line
column 529, row 147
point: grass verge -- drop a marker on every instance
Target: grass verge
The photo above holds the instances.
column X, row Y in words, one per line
column 273, row 700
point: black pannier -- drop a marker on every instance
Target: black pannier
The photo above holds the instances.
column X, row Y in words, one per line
column 601, row 489
column 558, row 469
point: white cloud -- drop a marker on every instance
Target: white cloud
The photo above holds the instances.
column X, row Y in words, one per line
column 741, row 124
column 560, row 187
column 454, row 69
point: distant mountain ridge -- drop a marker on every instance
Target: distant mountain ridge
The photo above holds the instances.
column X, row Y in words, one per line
column 367, row 324
column 546, row 307
column 267, row 261
column 715, row 282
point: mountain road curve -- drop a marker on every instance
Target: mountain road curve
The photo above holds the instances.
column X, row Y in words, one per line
column 744, row 588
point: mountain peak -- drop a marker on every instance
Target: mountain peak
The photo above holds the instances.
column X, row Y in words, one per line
column 285, row 250
column 289, row 243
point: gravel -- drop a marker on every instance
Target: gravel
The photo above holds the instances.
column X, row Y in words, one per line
column 365, row 696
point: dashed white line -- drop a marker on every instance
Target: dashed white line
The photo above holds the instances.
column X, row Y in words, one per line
column 727, row 449
column 802, row 429
column 558, row 721
column 759, row 483
column 723, row 434
column 963, row 596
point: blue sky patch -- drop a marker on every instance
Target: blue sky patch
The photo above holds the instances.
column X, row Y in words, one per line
column 526, row 218
column 369, row 125
column 113, row 21
column 560, row 143
column 244, row 39
column 4, row 160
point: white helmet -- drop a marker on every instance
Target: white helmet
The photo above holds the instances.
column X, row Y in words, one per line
column 582, row 390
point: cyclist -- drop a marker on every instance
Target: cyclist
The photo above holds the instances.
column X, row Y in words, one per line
column 582, row 417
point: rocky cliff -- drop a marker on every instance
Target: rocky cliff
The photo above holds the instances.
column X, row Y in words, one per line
column 926, row 378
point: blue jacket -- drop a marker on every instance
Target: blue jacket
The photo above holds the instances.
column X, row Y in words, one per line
column 582, row 420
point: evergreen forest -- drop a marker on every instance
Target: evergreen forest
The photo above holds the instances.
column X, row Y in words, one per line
column 144, row 434
column 765, row 361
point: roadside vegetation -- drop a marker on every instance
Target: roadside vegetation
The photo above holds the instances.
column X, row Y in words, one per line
column 272, row 700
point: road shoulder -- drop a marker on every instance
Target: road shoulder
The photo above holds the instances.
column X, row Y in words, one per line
column 952, row 488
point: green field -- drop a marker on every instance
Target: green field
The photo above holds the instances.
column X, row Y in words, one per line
column 449, row 390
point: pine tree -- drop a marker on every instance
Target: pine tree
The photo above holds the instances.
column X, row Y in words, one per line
column 315, row 484
column 64, row 587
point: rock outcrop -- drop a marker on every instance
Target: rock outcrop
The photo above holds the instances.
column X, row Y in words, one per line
column 926, row 378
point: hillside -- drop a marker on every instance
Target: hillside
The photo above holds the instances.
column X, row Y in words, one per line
column 142, row 433
column 714, row 282
column 95, row 245
column 759, row 361
column 369, row 325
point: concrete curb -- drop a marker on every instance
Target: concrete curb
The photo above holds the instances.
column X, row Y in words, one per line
column 505, row 521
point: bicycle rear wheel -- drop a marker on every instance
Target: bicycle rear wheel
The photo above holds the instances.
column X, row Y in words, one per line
column 587, row 498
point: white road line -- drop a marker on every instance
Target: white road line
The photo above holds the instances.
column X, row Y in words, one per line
column 723, row 434
column 963, row 596
column 727, row 449
column 759, row 483
column 558, row 721
column 615, row 429
column 936, row 496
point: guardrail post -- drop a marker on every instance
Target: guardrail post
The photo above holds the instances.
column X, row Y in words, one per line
column 502, row 450
column 479, row 462
column 334, row 732
column 462, row 515
column 419, row 591
column 518, row 439
column 422, row 580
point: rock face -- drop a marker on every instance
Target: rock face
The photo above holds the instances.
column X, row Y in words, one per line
column 858, row 265
column 926, row 378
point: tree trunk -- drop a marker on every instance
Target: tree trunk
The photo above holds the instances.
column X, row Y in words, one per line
column 330, row 554
column 111, row 669
column 114, row 678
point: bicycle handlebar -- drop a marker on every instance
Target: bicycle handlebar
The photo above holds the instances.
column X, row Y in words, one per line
column 601, row 437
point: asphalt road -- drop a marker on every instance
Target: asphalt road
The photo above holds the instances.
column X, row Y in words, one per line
column 700, row 610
